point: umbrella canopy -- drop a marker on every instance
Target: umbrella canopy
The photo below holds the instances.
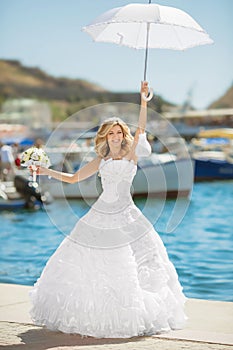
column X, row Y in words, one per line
column 143, row 26
column 168, row 27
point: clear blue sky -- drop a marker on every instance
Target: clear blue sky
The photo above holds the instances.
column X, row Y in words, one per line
column 47, row 34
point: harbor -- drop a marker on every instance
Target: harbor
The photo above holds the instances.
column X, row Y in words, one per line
column 180, row 155
column 176, row 187
column 134, row 251
column 188, row 203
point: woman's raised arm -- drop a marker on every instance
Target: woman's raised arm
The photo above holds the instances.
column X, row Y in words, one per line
column 83, row 173
column 141, row 147
column 143, row 109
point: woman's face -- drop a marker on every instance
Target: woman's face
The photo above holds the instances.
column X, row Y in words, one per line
column 115, row 136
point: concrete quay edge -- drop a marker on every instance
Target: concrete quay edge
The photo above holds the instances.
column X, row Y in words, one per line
column 209, row 326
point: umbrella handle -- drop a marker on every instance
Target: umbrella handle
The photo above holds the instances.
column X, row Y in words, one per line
column 149, row 97
column 34, row 173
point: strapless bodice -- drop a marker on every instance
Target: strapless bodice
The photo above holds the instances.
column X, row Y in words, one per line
column 116, row 178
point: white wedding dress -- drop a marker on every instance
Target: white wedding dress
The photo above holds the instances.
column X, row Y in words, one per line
column 111, row 277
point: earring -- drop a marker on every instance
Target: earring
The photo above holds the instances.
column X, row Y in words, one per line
column 123, row 142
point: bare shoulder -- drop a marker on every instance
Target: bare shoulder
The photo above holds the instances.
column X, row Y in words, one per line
column 92, row 164
column 134, row 158
column 87, row 170
column 96, row 161
column 131, row 153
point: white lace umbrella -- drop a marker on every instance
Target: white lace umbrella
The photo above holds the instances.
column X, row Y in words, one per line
column 143, row 26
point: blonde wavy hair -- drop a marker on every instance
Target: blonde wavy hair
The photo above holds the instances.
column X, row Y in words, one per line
column 101, row 145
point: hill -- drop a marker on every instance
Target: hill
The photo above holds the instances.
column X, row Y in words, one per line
column 65, row 96
column 17, row 80
column 225, row 101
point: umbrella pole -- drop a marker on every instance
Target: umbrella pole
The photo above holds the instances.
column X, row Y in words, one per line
column 147, row 42
column 149, row 97
column 146, row 53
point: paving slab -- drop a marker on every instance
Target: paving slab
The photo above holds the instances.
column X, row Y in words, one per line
column 18, row 336
column 210, row 326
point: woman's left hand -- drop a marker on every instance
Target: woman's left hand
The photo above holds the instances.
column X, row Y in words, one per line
column 39, row 170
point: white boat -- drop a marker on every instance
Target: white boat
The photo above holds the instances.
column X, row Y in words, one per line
column 10, row 199
column 161, row 175
column 164, row 175
column 21, row 194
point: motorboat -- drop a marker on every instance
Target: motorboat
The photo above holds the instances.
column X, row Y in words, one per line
column 212, row 152
column 10, row 199
column 21, row 193
column 160, row 175
column 213, row 165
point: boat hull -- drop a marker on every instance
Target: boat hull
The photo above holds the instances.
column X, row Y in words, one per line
column 168, row 180
column 12, row 204
column 207, row 170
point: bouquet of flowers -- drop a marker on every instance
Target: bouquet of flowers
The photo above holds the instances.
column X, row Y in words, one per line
column 34, row 157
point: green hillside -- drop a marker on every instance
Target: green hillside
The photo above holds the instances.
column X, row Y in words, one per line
column 65, row 96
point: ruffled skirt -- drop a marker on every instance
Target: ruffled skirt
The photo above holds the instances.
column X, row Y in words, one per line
column 128, row 291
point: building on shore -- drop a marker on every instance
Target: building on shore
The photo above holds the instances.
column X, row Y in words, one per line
column 191, row 122
column 33, row 114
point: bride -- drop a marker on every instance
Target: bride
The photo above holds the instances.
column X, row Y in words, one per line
column 111, row 277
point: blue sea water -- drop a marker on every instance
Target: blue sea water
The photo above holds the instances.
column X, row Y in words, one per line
column 200, row 247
